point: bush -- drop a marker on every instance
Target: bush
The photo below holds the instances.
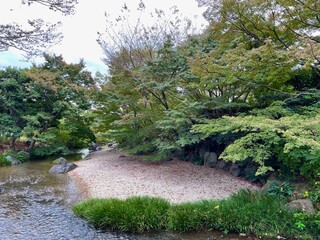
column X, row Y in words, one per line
column 18, row 155
column 43, row 152
column 3, row 161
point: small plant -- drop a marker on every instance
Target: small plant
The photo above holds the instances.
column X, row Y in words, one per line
column 3, row 161
column 283, row 189
column 307, row 224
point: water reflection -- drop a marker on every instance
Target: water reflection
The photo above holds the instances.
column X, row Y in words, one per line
column 35, row 205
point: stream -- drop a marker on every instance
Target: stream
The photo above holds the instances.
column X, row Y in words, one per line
column 36, row 205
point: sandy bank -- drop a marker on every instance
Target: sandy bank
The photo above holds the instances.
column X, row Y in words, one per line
column 106, row 174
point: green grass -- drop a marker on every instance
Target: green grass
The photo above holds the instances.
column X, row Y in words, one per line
column 135, row 214
column 244, row 212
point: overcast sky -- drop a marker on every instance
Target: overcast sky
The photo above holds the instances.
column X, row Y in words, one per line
column 80, row 30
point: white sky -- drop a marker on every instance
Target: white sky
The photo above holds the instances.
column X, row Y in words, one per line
column 80, row 30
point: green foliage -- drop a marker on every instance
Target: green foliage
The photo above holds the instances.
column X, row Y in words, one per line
column 18, row 155
column 247, row 212
column 39, row 102
column 193, row 216
column 283, row 189
column 135, row 214
column 3, row 161
column 46, row 151
column 254, row 212
column 273, row 135
column 307, row 225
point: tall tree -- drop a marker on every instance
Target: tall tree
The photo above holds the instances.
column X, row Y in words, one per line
column 38, row 35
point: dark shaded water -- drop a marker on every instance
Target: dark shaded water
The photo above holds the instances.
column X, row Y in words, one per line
column 35, row 205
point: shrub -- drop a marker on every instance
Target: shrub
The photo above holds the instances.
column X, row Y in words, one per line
column 308, row 225
column 43, row 152
column 3, row 161
column 283, row 189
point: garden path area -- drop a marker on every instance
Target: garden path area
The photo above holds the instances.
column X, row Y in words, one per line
column 109, row 173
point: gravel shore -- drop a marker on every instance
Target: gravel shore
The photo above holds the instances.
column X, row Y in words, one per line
column 107, row 174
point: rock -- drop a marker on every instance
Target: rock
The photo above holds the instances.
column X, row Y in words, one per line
column 250, row 171
column 13, row 160
column 235, row 170
column 95, row 147
column 210, row 159
column 179, row 154
column 273, row 176
column 60, row 160
column 223, row 164
column 62, row 168
column 202, row 151
column 167, row 159
column 304, row 205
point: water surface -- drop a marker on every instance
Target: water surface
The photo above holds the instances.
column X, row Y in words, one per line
column 35, row 205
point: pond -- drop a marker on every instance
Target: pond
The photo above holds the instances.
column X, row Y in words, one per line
column 36, row 205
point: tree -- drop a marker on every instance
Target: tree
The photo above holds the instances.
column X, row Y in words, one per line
column 62, row 94
column 15, row 98
column 39, row 35
column 130, row 43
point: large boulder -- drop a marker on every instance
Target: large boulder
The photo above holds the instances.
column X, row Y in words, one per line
column 13, row 160
column 62, row 168
column 210, row 159
column 235, row 170
column 223, row 164
column 304, row 205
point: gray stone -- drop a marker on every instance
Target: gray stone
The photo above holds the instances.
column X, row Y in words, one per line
column 235, row 170
column 60, row 160
column 62, row 168
column 13, row 160
column 202, row 151
column 304, row 205
column 250, row 170
column 210, row 159
column 95, row 147
column 223, row 164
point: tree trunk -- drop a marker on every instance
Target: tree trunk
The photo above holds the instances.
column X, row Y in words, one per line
column 12, row 143
column 31, row 145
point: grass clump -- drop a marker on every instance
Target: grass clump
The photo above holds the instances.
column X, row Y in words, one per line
column 192, row 216
column 247, row 212
column 255, row 213
column 135, row 214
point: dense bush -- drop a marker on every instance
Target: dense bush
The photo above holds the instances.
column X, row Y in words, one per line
column 247, row 212
column 46, row 151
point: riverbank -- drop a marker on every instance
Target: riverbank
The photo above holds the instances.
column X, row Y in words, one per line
column 106, row 174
